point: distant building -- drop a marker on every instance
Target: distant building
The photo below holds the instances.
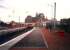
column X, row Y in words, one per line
column 38, row 18
column 28, row 19
column 14, row 24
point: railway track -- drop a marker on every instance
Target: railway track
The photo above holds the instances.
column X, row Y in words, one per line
column 6, row 35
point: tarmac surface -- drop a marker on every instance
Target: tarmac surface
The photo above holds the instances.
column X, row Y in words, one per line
column 33, row 40
column 50, row 40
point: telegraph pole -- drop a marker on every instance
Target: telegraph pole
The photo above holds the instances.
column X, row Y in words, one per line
column 19, row 19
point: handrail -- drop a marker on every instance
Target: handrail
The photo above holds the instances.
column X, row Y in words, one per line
column 10, row 43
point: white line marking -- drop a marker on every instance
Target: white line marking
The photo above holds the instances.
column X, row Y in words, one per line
column 44, row 40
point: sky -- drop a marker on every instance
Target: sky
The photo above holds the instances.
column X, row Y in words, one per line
column 13, row 9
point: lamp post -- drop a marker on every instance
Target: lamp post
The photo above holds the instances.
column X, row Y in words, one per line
column 54, row 13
